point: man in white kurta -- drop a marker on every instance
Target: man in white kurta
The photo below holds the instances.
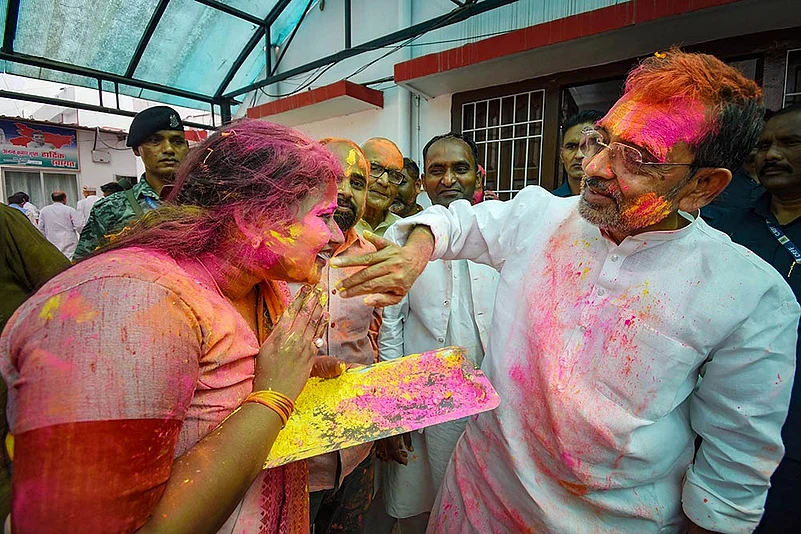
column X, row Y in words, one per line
column 84, row 205
column 623, row 328
column 450, row 304
column 61, row 224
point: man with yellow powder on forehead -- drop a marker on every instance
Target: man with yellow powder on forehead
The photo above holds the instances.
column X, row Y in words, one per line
column 341, row 483
column 624, row 327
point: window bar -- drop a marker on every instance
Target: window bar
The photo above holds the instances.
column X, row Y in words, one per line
column 786, row 76
column 528, row 132
column 542, row 131
column 514, row 136
column 498, row 167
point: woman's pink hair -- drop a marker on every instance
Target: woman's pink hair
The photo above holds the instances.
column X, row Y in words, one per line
column 255, row 169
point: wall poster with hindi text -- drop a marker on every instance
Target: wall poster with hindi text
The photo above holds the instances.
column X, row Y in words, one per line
column 38, row 145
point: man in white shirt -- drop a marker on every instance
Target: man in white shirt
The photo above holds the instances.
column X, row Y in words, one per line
column 450, row 304
column 624, row 327
column 61, row 224
column 84, row 205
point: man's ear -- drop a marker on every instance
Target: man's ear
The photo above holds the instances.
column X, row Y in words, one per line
column 707, row 184
column 136, row 151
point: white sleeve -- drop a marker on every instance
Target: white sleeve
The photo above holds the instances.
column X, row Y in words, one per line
column 77, row 220
column 390, row 341
column 738, row 411
column 485, row 233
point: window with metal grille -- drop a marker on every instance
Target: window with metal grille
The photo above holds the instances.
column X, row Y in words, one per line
column 508, row 133
column 792, row 81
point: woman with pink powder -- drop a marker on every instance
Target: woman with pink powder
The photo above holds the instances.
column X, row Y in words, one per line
column 148, row 382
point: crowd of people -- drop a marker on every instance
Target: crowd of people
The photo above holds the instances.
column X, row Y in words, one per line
column 640, row 324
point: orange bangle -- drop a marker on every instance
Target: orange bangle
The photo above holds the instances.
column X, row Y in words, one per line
column 278, row 402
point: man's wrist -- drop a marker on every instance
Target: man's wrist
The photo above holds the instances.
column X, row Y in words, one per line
column 421, row 241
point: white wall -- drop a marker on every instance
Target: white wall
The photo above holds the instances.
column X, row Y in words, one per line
column 123, row 162
column 398, row 121
column 322, row 34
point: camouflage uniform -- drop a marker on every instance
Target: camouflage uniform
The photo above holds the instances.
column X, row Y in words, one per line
column 110, row 214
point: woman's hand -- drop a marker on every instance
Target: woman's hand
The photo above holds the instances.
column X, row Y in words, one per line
column 285, row 359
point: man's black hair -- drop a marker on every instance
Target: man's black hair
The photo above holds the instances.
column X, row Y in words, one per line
column 452, row 135
column 58, row 196
column 586, row 115
column 111, row 187
column 411, row 168
column 16, row 198
column 786, row 110
column 735, row 131
column 24, row 196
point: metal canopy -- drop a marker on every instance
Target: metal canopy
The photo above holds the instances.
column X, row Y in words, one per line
column 192, row 53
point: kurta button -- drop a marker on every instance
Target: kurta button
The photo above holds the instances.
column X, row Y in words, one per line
column 614, row 257
column 447, row 303
column 333, row 325
column 601, row 292
column 333, row 291
column 441, row 339
column 582, row 329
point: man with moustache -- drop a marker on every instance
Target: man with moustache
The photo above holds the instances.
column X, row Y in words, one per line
column 405, row 204
column 569, row 154
column 450, row 304
column 341, row 483
column 772, row 229
column 386, row 166
column 624, row 327
column 157, row 136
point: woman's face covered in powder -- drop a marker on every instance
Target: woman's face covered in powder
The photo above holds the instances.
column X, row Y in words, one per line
column 297, row 252
column 618, row 200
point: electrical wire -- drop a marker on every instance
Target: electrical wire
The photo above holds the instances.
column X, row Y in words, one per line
column 97, row 132
column 444, row 41
column 405, row 43
column 313, row 78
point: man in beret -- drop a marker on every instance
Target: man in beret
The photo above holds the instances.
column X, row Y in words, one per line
column 156, row 136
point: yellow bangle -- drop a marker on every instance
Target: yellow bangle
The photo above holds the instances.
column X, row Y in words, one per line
column 278, row 402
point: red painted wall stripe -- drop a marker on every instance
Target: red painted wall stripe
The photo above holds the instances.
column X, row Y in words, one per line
column 548, row 33
column 321, row 94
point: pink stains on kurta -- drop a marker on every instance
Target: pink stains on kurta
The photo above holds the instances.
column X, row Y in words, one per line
column 577, row 338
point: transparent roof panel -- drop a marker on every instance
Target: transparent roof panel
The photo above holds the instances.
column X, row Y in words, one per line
column 193, row 47
column 258, row 8
column 195, row 55
column 287, row 20
column 88, row 33
column 252, row 68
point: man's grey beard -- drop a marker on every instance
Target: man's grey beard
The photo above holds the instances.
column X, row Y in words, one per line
column 611, row 217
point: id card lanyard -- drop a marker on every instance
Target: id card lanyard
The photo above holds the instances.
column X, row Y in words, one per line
column 785, row 241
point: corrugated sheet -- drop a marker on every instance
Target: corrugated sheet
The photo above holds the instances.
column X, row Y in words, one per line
column 521, row 14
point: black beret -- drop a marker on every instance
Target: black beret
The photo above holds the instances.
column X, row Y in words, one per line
column 152, row 120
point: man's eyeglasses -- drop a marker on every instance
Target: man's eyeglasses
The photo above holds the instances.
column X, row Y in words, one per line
column 592, row 143
column 394, row 177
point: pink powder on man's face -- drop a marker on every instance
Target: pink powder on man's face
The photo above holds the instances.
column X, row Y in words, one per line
column 656, row 127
